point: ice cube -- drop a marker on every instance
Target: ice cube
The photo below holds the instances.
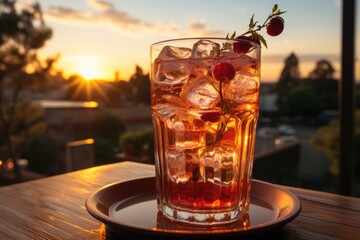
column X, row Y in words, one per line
column 201, row 92
column 227, row 172
column 246, row 65
column 205, row 49
column 193, row 170
column 172, row 72
column 183, row 165
column 166, row 111
column 204, row 64
column 228, row 163
column 170, row 52
column 176, row 164
column 212, row 162
column 230, row 54
column 243, row 89
column 189, row 132
column 186, row 141
column 174, row 101
column 199, row 68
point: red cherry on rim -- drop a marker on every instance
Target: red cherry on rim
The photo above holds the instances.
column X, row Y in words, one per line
column 223, row 72
column 275, row 26
column 242, row 44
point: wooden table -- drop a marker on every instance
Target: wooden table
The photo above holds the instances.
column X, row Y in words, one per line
column 53, row 208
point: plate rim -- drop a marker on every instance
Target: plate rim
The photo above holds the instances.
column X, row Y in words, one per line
column 91, row 204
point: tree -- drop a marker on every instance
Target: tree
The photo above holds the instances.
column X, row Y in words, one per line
column 289, row 78
column 22, row 33
column 323, row 70
column 322, row 81
column 107, row 130
column 301, row 101
column 328, row 139
column 311, row 98
column 327, row 92
column 125, row 90
column 140, row 85
column 315, row 94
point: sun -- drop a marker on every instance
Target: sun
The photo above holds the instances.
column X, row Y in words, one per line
column 89, row 71
column 89, row 67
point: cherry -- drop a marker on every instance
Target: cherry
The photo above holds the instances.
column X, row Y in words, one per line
column 210, row 117
column 223, row 72
column 243, row 45
column 275, row 26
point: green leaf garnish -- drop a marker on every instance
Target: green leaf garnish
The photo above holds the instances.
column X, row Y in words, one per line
column 254, row 27
column 262, row 40
column 275, row 8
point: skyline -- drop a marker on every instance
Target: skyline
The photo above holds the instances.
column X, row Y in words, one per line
column 96, row 38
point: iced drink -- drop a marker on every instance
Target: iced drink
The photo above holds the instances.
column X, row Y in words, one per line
column 204, row 127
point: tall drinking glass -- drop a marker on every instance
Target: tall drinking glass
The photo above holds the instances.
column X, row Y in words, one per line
column 205, row 106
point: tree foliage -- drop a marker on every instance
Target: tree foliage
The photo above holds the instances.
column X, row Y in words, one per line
column 138, row 144
column 22, row 33
column 328, row 139
column 310, row 96
column 323, row 70
column 140, row 85
column 289, row 78
column 107, row 130
column 301, row 101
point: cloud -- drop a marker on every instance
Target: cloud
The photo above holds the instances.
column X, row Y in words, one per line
column 65, row 13
column 100, row 5
column 106, row 14
column 122, row 20
column 199, row 27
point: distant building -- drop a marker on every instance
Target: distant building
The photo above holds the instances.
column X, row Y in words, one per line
column 72, row 120
column 135, row 116
column 68, row 120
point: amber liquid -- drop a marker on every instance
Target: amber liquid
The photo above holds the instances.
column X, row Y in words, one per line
column 202, row 195
column 198, row 175
column 204, row 154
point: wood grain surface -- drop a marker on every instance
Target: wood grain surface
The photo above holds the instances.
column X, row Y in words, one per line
column 53, row 208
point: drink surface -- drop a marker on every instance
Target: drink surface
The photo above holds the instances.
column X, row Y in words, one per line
column 204, row 128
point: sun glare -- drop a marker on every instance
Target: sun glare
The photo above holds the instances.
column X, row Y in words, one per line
column 89, row 72
column 89, row 67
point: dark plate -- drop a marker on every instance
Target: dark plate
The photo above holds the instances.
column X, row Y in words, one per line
column 129, row 209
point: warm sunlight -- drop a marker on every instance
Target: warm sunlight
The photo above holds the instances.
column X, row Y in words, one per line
column 87, row 66
column 89, row 72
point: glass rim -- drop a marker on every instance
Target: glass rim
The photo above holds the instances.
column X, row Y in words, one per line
column 204, row 38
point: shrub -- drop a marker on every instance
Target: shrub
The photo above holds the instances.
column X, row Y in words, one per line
column 138, row 144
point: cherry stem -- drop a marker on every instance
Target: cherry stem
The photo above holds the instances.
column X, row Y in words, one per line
column 221, row 97
column 223, row 122
column 259, row 27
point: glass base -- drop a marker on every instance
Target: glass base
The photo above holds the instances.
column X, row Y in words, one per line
column 201, row 218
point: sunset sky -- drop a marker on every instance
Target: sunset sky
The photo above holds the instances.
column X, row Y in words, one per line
column 98, row 37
